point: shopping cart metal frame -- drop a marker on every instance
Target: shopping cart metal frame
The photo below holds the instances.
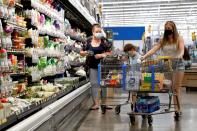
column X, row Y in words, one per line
column 172, row 65
column 119, row 86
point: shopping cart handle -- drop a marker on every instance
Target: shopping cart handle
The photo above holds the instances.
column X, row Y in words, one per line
column 164, row 57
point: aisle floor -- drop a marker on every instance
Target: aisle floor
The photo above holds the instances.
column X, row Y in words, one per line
column 96, row 121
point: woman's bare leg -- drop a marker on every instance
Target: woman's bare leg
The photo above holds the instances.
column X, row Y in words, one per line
column 177, row 89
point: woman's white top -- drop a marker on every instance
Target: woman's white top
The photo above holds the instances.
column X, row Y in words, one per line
column 171, row 50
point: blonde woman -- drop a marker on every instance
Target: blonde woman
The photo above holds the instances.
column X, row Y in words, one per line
column 171, row 45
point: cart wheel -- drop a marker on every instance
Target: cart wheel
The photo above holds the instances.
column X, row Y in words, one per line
column 176, row 117
column 103, row 109
column 132, row 119
column 150, row 120
column 143, row 117
column 117, row 109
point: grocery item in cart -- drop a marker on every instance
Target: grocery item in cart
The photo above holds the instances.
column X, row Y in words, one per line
column 147, row 81
column 133, row 80
column 147, row 104
column 112, row 78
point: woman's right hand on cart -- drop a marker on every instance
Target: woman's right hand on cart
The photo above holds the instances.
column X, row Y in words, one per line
column 84, row 53
column 142, row 58
column 103, row 55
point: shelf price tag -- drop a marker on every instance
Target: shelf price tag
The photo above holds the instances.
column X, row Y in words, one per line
column 35, row 58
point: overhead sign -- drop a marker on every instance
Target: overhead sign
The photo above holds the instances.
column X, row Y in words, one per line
column 127, row 33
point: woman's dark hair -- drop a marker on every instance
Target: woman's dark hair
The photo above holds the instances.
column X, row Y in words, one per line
column 186, row 55
column 129, row 47
column 175, row 33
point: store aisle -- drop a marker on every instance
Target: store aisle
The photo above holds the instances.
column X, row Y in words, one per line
column 96, row 121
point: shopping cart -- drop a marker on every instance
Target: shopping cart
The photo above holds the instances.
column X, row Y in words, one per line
column 151, row 76
column 110, row 78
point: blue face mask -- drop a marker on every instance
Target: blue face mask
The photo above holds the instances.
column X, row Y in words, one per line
column 99, row 35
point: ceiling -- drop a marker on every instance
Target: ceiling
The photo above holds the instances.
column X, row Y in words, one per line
column 150, row 12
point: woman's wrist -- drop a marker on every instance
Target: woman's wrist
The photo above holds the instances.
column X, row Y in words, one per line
column 99, row 56
column 143, row 57
column 103, row 55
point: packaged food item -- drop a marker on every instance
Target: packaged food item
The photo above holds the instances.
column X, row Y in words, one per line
column 2, row 116
column 147, row 104
column 7, row 110
column 2, row 11
column 8, row 29
column 147, row 82
column 11, row 13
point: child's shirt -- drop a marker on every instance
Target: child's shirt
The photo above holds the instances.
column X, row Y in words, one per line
column 134, row 60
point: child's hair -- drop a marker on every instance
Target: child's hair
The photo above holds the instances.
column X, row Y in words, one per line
column 129, row 47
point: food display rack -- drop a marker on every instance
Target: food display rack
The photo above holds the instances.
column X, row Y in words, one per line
column 58, row 112
column 37, row 106
column 76, row 97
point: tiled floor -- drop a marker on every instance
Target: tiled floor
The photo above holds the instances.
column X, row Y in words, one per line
column 96, row 121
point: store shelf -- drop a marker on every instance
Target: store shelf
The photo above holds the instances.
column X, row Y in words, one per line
column 40, row 105
column 18, row 5
column 76, row 64
column 32, row 108
column 47, row 76
column 45, row 10
column 10, row 120
column 33, row 105
column 53, row 34
column 16, row 51
column 76, row 38
column 5, row 70
column 44, row 56
column 19, row 74
column 34, row 121
column 17, row 27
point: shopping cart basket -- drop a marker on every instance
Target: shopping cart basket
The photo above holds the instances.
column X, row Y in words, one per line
column 151, row 76
column 110, row 78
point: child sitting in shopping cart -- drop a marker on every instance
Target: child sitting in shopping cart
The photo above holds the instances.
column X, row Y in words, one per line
column 133, row 60
column 132, row 54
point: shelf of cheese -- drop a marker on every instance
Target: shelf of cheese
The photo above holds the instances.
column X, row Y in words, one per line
column 14, row 109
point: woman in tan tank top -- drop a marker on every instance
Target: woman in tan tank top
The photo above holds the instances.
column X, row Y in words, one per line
column 172, row 45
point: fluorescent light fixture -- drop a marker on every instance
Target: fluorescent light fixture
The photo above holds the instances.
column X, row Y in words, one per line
column 135, row 2
column 147, row 5
column 125, row 12
column 186, row 7
column 149, row 12
column 145, row 19
column 150, row 17
column 152, row 21
column 115, row 11
column 183, row 14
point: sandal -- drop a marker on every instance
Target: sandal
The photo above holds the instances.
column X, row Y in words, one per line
column 179, row 113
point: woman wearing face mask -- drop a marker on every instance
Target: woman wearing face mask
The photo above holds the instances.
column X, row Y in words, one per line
column 171, row 45
column 97, row 47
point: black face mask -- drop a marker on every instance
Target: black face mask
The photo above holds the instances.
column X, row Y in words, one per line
column 168, row 32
